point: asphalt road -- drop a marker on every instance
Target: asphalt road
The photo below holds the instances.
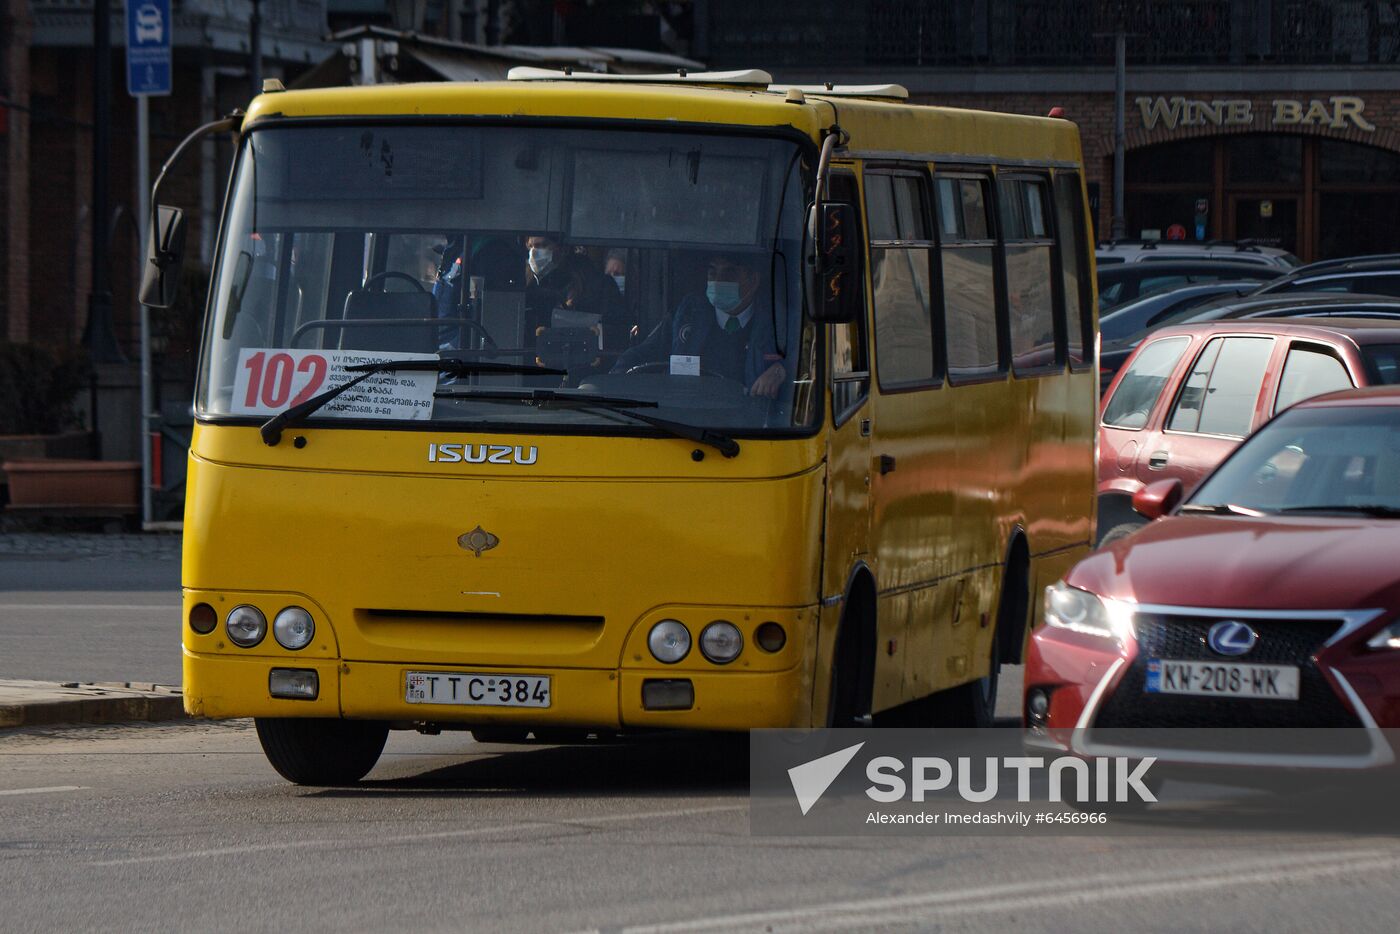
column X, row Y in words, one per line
column 89, row 608
column 165, row 827
column 186, row 827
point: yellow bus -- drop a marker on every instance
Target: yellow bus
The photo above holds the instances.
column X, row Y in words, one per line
column 571, row 404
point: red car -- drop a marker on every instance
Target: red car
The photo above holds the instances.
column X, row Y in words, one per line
column 1270, row 597
column 1189, row 394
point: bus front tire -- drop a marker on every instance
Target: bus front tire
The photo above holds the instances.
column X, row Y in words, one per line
column 320, row 751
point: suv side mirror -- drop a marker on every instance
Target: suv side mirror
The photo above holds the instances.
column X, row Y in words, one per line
column 165, row 254
column 834, row 285
column 1158, row 498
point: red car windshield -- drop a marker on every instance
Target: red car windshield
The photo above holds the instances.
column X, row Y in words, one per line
column 1312, row 460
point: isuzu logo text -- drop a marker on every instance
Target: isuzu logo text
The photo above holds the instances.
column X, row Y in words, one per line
column 481, row 454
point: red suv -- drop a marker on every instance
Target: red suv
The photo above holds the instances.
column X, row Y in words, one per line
column 1269, row 598
column 1190, row 394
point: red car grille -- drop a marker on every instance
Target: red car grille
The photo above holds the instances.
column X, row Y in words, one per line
column 1281, row 641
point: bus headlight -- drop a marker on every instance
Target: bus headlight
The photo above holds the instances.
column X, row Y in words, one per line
column 669, row 641
column 293, row 628
column 1078, row 610
column 721, row 642
column 246, row 626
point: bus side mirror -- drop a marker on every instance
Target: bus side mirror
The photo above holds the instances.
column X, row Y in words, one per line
column 165, row 254
column 835, row 287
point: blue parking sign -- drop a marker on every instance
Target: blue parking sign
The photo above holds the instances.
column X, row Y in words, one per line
column 148, row 28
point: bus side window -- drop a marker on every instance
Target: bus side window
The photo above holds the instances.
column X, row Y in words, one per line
column 967, row 253
column 1074, row 264
column 850, row 362
column 900, row 245
column 1030, row 296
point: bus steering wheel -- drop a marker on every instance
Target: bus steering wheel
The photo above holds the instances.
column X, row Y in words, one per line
column 379, row 277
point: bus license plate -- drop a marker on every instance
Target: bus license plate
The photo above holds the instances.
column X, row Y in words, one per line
column 474, row 689
column 1222, row 679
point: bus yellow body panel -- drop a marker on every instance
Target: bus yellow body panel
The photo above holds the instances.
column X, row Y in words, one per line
column 591, row 552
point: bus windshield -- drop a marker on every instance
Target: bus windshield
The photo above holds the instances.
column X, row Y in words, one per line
column 661, row 267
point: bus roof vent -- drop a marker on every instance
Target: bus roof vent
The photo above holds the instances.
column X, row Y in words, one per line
column 751, row 77
column 892, row 92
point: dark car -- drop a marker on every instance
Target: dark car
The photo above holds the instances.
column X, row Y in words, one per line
column 1296, row 305
column 1125, row 282
column 1371, row 275
column 1122, row 328
column 1189, row 394
column 1132, row 319
column 1268, row 599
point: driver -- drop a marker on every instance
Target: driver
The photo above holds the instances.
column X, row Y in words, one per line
column 729, row 327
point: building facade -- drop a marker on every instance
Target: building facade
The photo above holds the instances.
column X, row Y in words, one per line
column 1276, row 121
column 46, row 149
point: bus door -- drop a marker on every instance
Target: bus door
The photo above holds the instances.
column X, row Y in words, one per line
column 848, row 464
column 913, row 457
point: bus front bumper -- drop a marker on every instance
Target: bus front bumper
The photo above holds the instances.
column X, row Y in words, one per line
column 222, row 686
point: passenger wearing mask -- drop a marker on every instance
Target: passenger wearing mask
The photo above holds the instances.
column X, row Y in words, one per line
column 558, row 278
column 616, row 267
column 729, row 327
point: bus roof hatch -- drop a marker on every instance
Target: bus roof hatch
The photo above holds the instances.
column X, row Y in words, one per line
column 750, row 77
column 884, row 91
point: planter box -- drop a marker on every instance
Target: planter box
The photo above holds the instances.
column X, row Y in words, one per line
column 75, row 485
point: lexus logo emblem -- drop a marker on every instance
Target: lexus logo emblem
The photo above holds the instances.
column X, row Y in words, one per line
column 1231, row 637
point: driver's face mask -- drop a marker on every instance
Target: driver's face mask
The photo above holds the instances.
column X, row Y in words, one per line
column 541, row 258
column 723, row 295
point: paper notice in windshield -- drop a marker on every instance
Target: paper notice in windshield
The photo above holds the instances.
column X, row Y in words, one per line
column 271, row 380
column 684, row 365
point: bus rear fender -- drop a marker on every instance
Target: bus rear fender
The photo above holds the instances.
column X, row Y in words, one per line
column 1013, row 605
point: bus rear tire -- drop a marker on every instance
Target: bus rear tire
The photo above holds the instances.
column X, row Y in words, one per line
column 969, row 705
column 321, row 751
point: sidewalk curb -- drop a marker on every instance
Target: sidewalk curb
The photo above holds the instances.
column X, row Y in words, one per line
column 39, row 703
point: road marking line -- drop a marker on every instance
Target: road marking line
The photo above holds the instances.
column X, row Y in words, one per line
column 414, row 838
column 40, row 791
column 1047, row 892
column 1147, row 890
column 132, row 607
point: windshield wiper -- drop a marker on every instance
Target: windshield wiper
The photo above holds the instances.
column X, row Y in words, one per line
column 1221, row 509
column 272, row 428
column 542, row 397
column 1366, row 509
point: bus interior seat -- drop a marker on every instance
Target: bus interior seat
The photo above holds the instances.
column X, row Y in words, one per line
column 406, row 306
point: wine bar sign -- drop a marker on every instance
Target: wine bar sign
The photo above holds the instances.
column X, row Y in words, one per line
column 1335, row 113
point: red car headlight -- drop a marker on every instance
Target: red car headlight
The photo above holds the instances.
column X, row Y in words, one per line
column 1387, row 638
column 1078, row 610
